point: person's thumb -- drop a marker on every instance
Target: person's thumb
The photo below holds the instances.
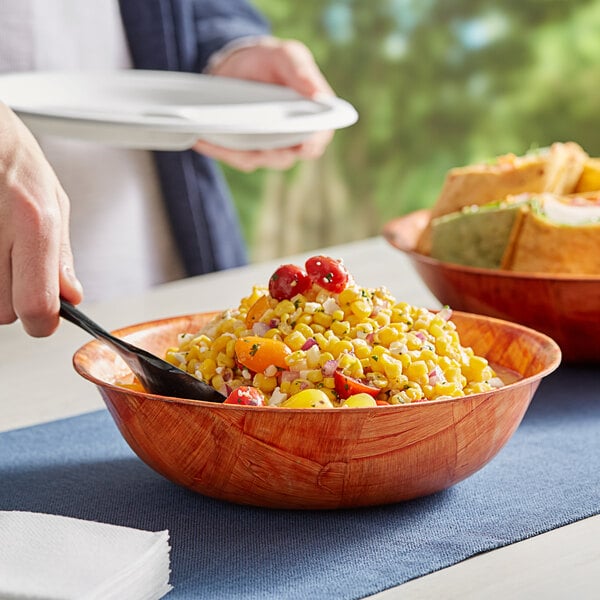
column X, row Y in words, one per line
column 70, row 287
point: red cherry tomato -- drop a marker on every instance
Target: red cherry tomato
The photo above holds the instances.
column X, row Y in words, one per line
column 287, row 281
column 347, row 386
column 327, row 272
column 246, row 395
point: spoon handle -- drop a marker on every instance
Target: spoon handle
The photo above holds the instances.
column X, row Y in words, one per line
column 72, row 314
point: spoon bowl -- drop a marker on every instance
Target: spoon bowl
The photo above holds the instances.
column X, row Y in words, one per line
column 155, row 374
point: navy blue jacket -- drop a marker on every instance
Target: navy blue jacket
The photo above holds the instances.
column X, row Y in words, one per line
column 181, row 35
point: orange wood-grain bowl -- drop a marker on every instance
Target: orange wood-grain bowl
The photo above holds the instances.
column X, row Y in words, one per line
column 564, row 307
column 321, row 458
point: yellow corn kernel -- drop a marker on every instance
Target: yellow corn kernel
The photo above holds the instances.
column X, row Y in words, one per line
column 273, row 334
column 330, row 394
column 318, row 328
column 217, row 382
column 304, row 319
column 413, row 392
column 264, row 383
column 220, row 344
column 361, row 308
column 194, row 352
column 361, row 348
column 337, row 315
column 285, row 307
column 304, row 329
column 340, row 347
column 224, row 360
column 347, row 297
column 314, row 375
column 386, row 335
column 192, row 365
column 398, row 383
column 321, row 318
column 321, row 340
column 391, row 367
column 295, row 340
column 375, row 364
column 378, row 380
column 477, row 387
column 473, row 371
column 296, row 359
column 346, row 361
column 417, row 371
column 208, row 368
column 340, row 328
column 230, row 347
column 436, row 329
column 453, row 374
column 382, row 318
column 447, row 388
column 328, row 382
column 325, row 357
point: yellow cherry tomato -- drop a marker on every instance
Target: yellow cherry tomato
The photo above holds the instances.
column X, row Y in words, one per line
column 362, row 399
column 309, row 398
column 257, row 353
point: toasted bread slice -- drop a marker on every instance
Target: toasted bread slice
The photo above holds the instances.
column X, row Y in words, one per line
column 556, row 169
column 476, row 236
column 562, row 236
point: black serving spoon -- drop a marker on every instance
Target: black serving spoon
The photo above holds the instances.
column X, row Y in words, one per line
column 155, row 374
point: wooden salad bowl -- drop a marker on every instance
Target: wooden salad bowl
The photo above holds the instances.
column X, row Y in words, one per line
column 321, row 458
column 565, row 307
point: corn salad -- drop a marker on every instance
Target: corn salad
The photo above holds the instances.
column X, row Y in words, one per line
column 323, row 348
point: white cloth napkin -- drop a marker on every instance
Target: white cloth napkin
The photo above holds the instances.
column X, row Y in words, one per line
column 49, row 557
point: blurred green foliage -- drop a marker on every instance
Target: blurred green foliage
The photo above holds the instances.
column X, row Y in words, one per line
column 438, row 84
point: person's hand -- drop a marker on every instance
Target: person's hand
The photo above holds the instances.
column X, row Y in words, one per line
column 36, row 264
column 282, row 62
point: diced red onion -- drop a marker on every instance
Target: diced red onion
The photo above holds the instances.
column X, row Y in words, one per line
column 289, row 376
column 329, row 368
column 309, row 343
column 259, row 328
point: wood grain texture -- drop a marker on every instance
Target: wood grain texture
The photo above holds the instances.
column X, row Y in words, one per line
column 321, row 458
column 564, row 307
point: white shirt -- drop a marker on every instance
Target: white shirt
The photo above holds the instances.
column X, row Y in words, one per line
column 119, row 231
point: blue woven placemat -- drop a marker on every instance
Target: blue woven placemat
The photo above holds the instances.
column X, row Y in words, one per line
column 547, row 475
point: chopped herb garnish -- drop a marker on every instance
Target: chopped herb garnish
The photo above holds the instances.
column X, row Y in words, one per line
column 254, row 349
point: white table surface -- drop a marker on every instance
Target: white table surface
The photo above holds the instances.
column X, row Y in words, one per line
column 564, row 563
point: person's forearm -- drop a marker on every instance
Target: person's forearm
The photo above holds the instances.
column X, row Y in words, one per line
column 220, row 23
